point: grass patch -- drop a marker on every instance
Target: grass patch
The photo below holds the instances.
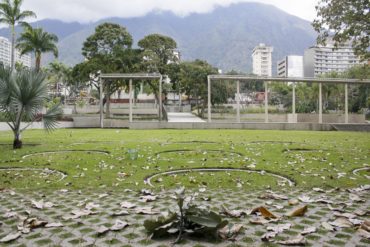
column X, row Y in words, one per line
column 335, row 152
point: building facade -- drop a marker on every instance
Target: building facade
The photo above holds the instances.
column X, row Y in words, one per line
column 262, row 60
column 5, row 54
column 290, row 66
column 318, row 60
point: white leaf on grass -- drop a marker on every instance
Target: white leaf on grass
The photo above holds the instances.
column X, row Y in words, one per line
column 10, row 237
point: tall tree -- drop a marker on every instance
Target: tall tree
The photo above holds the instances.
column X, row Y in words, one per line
column 159, row 50
column 22, row 97
column 107, row 50
column 38, row 41
column 345, row 20
column 11, row 14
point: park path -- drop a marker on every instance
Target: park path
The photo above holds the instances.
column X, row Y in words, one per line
column 17, row 205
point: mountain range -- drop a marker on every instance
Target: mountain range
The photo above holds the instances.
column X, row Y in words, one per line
column 224, row 37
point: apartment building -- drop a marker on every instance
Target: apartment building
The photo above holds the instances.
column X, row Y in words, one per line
column 5, row 54
column 262, row 60
column 290, row 66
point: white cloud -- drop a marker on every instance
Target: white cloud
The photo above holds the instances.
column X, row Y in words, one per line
column 92, row 10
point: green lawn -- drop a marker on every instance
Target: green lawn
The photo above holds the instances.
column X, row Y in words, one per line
column 123, row 158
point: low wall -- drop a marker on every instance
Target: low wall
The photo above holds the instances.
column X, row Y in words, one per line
column 283, row 118
column 37, row 125
column 212, row 125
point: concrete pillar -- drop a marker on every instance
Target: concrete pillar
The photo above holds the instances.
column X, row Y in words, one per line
column 266, row 104
column 160, row 99
column 209, row 99
column 346, row 103
column 238, row 101
column 293, row 104
column 101, row 103
column 130, row 100
column 320, row 102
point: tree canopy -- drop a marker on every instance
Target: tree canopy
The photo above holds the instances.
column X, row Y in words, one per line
column 345, row 20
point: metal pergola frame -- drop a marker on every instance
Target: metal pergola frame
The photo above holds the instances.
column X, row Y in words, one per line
column 138, row 76
column 265, row 80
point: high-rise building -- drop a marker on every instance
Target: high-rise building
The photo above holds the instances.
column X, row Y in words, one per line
column 290, row 66
column 5, row 54
column 318, row 60
column 262, row 60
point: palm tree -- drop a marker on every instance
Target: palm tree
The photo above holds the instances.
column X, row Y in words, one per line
column 37, row 41
column 11, row 14
column 22, row 97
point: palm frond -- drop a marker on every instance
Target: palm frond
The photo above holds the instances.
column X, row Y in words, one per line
column 50, row 119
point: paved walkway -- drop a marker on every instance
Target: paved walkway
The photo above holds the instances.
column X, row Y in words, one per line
column 98, row 208
column 183, row 117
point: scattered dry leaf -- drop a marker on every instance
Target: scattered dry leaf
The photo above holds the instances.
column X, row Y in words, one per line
column 54, row 224
column 148, row 198
column 259, row 221
column 265, row 212
column 361, row 232
column 10, row 237
column 146, row 210
column 298, row 240
column 300, row 211
column 308, row 230
column 102, row 230
column 119, row 225
column 305, row 199
column 342, row 223
column 120, row 213
column 230, row 231
column 127, row 205
column 232, row 213
column 272, row 195
column 293, row 201
column 41, row 204
column 356, row 198
column 279, row 228
column 327, row 226
column 366, row 225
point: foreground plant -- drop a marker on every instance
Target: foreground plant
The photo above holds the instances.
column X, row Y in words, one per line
column 22, row 97
column 191, row 219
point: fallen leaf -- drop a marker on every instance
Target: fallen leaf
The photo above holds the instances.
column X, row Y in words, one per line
column 361, row 212
column 356, row 198
column 305, row 199
column 10, row 214
column 127, row 205
column 119, row 213
column 148, row 198
column 327, row 226
column 268, row 236
column 356, row 222
column 232, row 213
column 308, row 230
column 258, row 221
column 293, row 201
column 272, row 195
column 119, row 225
column 103, row 195
column 345, row 215
column 361, row 232
column 341, row 222
column 339, row 208
column 146, row 210
column 91, row 205
column 102, row 230
column 300, row 211
column 366, row 225
column 279, row 228
column 41, row 204
column 318, row 190
column 298, row 240
column 264, row 212
column 230, row 231
column 10, row 237
column 56, row 224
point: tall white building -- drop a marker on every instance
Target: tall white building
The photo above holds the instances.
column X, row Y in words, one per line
column 5, row 54
column 262, row 60
column 290, row 66
column 320, row 59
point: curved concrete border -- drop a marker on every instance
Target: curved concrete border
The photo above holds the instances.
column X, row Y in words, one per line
column 62, row 174
column 66, row 151
column 148, row 179
column 202, row 150
column 355, row 171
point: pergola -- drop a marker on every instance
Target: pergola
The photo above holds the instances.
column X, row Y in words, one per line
column 265, row 80
column 130, row 77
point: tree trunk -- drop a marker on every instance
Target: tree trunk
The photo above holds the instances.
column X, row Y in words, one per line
column 38, row 62
column 17, row 143
column 12, row 58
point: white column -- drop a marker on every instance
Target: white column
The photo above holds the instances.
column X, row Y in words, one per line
column 293, row 105
column 101, row 104
column 160, row 99
column 130, row 101
column 320, row 102
column 238, row 101
column 209, row 99
column 346, row 103
column 266, row 104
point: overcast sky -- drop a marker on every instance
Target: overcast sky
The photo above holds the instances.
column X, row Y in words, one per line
column 93, row 10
